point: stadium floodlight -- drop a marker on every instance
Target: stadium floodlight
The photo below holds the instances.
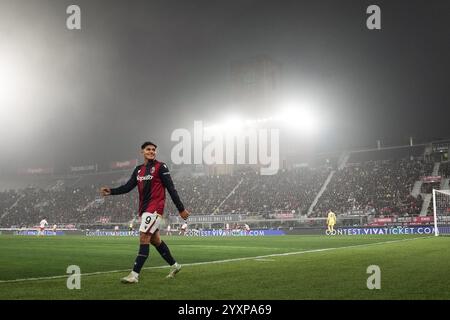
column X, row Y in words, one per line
column 14, row 82
column 308, row 121
column 441, row 211
column 298, row 118
column 234, row 123
column 9, row 80
column 231, row 124
column 216, row 128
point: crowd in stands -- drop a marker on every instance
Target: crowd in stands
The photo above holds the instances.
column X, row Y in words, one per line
column 401, row 153
column 203, row 194
column 372, row 187
column 244, row 193
column 7, row 200
column 444, row 169
column 429, row 186
column 63, row 202
column 289, row 191
column 251, row 193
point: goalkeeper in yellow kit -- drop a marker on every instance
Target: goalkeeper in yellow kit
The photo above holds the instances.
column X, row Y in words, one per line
column 331, row 221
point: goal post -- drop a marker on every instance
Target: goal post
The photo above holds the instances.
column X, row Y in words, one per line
column 441, row 212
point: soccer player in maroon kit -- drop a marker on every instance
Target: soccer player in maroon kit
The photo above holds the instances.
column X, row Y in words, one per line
column 152, row 179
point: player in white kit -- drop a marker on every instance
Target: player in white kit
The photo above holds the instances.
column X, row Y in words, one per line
column 183, row 229
column 42, row 226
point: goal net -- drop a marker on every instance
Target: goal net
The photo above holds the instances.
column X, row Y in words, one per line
column 441, row 211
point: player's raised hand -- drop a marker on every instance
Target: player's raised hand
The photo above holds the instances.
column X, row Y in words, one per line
column 105, row 191
column 184, row 214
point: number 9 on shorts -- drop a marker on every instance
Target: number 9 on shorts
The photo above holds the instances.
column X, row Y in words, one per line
column 149, row 222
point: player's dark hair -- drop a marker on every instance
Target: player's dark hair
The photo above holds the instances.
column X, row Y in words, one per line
column 148, row 143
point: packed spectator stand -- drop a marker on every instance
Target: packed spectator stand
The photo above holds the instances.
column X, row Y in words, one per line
column 375, row 183
column 380, row 187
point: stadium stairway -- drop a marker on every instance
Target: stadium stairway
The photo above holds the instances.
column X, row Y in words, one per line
column 416, row 189
column 319, row 194
column 445, row 184
column 436, row 169
column 343, row 160
column 216, row 210
column 7, row 211
column 425, row 204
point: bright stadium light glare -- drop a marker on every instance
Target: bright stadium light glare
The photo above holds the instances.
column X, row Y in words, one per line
column 298, row 119
column 298, row 113
column 9, row 80
column 234, row 123
column 13, row 92
column 308, row 121
column 216, row 128
column 250, row 124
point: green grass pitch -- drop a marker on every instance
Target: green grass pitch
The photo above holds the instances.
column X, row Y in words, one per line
column 232, row 268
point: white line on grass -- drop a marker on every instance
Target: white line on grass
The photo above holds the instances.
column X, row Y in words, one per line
column 269, row 260
column 226, row 247
column 218, row 261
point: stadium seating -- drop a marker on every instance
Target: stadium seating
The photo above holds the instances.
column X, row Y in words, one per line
column 374, row 187
column 370, row 187
column 444, row 169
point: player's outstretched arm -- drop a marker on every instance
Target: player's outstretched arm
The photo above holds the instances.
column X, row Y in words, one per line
column 127, row 187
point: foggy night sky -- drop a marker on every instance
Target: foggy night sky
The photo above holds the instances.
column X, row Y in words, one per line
column 137, row 70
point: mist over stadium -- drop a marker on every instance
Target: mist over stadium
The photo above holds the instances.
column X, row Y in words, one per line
column 268, row 115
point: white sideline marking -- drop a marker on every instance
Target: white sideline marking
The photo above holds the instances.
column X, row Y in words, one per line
column 218, row 261
column 270, row 260
column 231, row 247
